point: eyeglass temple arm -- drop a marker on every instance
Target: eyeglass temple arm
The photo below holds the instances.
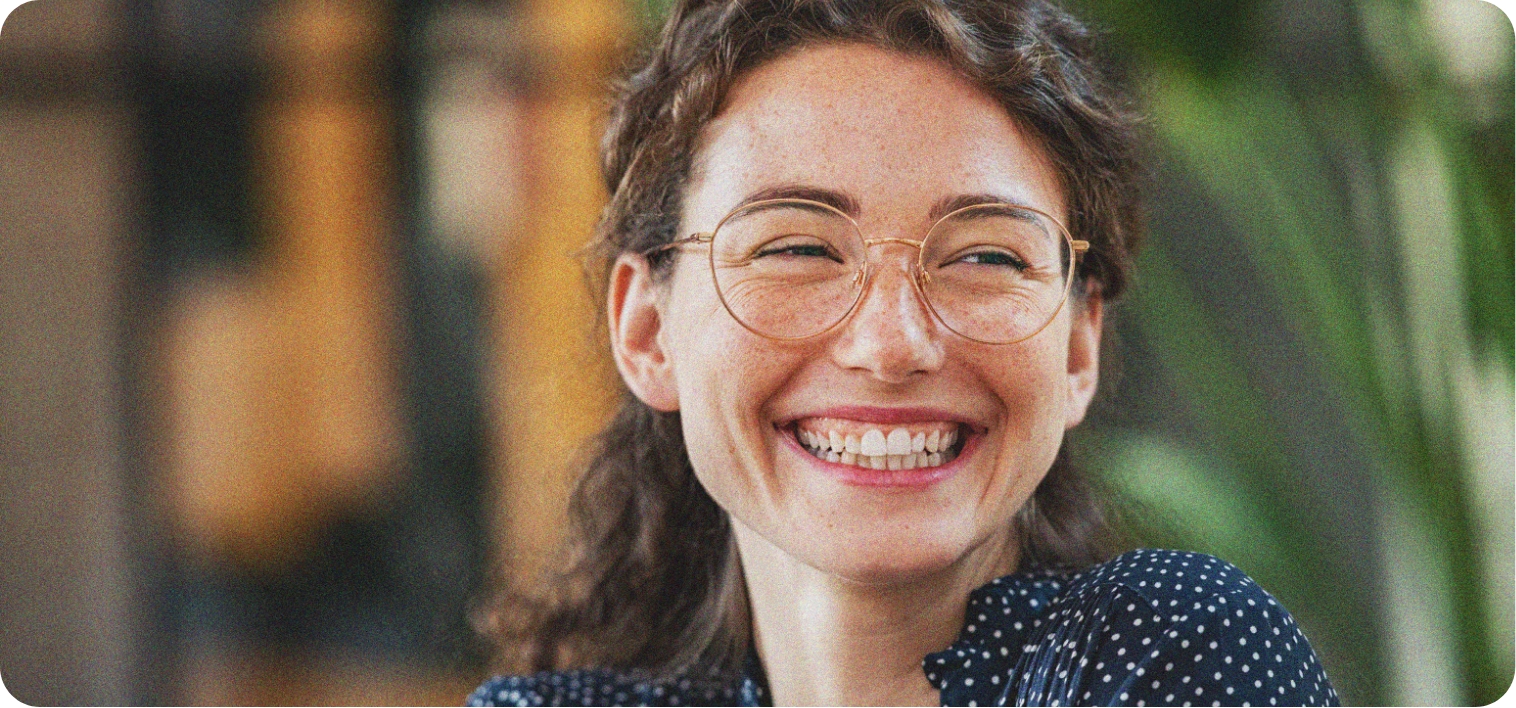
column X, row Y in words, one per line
column 1080, row 247
column 692, row 238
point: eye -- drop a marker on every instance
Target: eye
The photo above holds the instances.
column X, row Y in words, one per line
column 992, row 257
column 804, row 250
column 797, row 248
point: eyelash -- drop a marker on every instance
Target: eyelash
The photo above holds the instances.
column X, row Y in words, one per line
column 816, row 250
column 1011, row 259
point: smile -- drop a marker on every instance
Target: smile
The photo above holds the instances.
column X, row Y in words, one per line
column 880, row 447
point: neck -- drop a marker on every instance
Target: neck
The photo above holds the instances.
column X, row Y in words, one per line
column 828, row 640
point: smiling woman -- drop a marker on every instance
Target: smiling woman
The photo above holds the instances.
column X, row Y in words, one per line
column 856, row 262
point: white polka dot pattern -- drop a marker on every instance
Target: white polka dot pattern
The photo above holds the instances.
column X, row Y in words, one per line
column 1146, row 628
column 599, row 687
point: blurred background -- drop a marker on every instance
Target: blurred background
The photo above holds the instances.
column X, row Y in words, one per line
column 295, row 351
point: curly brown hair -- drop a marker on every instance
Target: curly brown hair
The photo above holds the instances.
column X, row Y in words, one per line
column 652, row 582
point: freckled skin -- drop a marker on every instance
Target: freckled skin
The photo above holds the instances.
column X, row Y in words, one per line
column 898, row 133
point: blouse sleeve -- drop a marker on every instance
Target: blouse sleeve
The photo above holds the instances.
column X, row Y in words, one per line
column 1238, row 648
column 601, row 687
column 1148, row 628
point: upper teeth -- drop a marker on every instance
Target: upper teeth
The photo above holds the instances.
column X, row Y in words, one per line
column 897, row 449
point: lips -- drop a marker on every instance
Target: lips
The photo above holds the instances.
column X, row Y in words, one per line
column 883, row 446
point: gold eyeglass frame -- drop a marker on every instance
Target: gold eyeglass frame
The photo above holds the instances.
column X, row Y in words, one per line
column 865, row 273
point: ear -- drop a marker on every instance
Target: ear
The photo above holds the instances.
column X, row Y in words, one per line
column 636, row 327
column 1084, row 357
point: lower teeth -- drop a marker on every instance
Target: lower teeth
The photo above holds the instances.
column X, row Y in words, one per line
column 885, row 462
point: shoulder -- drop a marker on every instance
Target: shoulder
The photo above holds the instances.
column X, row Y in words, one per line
column 1149, row 626
column 553, row 688
column 1166, row 578
column 1148, row 588
column 1213, row 634
column 602, row 687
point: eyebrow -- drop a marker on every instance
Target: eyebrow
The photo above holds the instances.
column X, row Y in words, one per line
column 948, row 205
column 848, row 204
column 841, row 201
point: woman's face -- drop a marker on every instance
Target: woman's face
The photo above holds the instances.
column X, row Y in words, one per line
column 897, row 136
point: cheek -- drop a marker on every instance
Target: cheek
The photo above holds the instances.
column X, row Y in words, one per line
column 725, row 377
column 1032, row 394
column 1032, row 385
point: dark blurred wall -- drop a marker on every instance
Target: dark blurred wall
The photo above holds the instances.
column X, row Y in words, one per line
column 65, row 181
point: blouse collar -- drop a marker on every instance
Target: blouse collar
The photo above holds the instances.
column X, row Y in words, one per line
column 1000, row 617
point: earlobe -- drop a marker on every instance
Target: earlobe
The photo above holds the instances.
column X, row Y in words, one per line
column 636, row 328
column 1084, row 358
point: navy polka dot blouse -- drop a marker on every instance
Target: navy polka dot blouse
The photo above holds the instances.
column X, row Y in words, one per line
column 1146, row 628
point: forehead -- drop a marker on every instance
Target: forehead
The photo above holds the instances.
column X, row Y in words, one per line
column 896, row 132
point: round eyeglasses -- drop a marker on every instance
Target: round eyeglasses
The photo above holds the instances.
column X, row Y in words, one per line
column 793, row 268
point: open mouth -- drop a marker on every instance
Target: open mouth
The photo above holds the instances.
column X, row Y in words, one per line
column 880, row 447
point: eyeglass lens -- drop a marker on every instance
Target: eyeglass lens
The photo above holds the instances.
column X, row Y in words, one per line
column 791, row 269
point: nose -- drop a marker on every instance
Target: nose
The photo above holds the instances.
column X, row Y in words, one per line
column 891, row 334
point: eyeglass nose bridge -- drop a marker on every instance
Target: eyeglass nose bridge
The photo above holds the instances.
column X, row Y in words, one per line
column 865, row 275
column 917, row 273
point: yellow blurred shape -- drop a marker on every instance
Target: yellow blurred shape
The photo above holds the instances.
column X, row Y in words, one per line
column 281, row 382
column 552, row 386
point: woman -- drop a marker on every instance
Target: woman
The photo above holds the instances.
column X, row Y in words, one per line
column 856, row 261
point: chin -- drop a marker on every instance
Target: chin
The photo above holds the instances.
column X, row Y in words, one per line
column 881, row 571
column 884, row 556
